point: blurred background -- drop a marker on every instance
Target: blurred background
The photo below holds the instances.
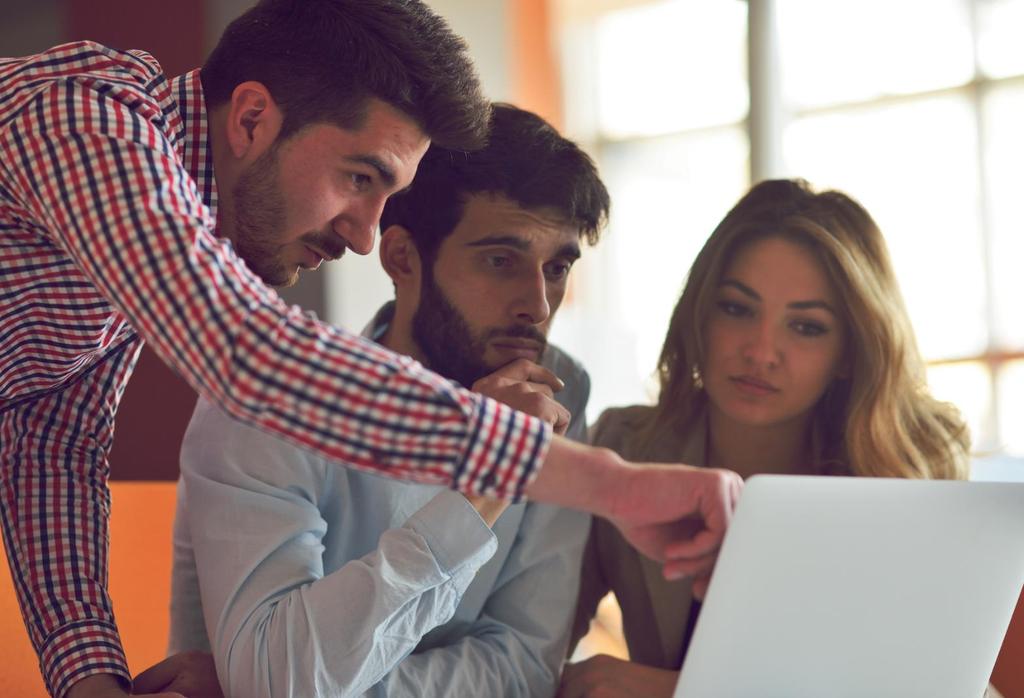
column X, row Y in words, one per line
column 914, row 107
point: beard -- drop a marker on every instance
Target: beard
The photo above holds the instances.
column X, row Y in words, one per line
column 446, row 340
column 260, row 215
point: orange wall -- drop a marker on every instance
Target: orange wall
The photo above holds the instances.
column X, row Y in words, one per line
column 535, row 80
column 141, row 520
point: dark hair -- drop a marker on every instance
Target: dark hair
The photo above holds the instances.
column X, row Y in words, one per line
column 526, row 160
column 322, row 60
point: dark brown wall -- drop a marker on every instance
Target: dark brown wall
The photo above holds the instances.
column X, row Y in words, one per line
column 157, row 403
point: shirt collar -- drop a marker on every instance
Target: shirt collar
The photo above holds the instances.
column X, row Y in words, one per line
column 381, row 321
column 196, row 154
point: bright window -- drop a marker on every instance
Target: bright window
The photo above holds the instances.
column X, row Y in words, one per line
column 913, row 107
column 663, row 112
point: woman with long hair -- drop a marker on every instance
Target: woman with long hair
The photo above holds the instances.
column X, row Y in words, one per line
column 790, row 351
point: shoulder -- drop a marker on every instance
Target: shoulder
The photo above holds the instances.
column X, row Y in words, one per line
column 570, row 370
column 132, row 77
column 219, row 447
column 616, row 424
column 89, row 60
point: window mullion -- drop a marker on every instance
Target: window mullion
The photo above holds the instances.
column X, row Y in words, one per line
column 766, row 116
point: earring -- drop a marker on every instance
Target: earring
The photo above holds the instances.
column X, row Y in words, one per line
column 698, row 380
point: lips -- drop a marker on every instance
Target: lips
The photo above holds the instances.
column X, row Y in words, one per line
column 326, row 247
column 753, row 385
column 312, row 258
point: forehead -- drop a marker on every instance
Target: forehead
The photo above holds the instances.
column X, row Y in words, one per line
column 779, row 267
column 486, row 216
column 386, row 135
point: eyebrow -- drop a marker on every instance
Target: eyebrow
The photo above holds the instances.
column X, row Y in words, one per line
column 797, row 305
column 569, row 250
column 386, row 174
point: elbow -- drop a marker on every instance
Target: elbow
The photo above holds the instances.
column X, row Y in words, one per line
column 258, row 661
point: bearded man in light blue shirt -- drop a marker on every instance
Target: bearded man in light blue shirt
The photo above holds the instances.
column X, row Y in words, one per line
column 310, row 580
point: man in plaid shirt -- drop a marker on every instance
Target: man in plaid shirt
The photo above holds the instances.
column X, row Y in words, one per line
column 128, row 203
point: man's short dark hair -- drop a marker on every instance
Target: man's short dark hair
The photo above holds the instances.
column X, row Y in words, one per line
column 526, row 161
column 322, row 60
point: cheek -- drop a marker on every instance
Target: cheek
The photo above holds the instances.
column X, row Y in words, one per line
column 720, row 340
column 312, row 202
column 819, row 367
column 555, row 297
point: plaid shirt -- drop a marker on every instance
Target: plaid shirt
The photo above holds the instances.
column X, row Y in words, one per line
column 107, row 212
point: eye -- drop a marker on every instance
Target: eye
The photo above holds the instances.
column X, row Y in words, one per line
column 498, row 261
column 733, row 309
column 361, row 181
column 556, row 271
column 809, row 329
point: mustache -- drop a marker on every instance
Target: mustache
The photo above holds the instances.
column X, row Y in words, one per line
column 517, row 332
column 328, row 243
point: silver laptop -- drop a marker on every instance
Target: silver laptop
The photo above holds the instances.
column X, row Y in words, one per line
column 859, row 587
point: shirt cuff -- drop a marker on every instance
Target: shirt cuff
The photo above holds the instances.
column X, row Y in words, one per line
column 456, row 534
column 505, row 451
column 82, row 649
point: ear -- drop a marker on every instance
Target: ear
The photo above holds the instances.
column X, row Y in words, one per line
column 253, row 122
column 400, row 259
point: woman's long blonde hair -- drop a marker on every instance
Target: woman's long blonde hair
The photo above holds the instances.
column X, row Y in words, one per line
column 880, row 419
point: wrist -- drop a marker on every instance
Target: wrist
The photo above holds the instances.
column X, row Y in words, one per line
column 488, row 508
column 98, row 686
column 581, row 477
column 612, row 483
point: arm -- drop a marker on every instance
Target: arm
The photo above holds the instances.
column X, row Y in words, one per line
column 108, row 187
column 653, row 505
column 517, row 645
column 277, row 623
column 55, row 505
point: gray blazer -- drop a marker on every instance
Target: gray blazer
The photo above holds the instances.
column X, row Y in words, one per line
column 655, row 612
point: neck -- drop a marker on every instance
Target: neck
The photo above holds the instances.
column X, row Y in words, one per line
column 224, row 174
column 750, row 450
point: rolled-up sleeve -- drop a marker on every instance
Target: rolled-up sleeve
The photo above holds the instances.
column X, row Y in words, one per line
column 517, row 645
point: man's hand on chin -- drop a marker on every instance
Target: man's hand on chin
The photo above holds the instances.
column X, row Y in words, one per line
column 529, row 388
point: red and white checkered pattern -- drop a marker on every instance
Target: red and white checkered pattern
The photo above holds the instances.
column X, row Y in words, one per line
column 107, row 211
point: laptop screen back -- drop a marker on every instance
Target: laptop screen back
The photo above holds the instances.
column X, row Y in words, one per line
column 829, row 586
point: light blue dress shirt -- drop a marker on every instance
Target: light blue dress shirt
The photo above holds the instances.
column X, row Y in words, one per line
column 320, row 581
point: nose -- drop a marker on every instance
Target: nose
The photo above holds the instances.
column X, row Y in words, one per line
column 358, row 224
column 531, row 304
column 761, row 348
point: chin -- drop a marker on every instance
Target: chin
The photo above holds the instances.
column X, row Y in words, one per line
column 279, row 277
column 750, row 415
column 290, row 281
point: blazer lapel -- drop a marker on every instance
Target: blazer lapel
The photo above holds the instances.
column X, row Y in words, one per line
column 670, row 601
